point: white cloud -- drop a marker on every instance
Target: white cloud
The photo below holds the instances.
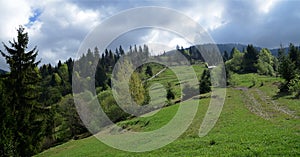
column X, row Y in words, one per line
column 266, row 5
column 180, row 42
column 59, row 28
column 66, row 14
column 157, row 38
column 13, row 13
column 208, row 14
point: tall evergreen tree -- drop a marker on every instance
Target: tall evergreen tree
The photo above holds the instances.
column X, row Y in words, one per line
column 287, row 71
column 231, row 53
column 250, row 59
column 281, row 52
column 27, row 122
column 149, row 71
column 121, row 51
column 205, row 82
column 225, row 56
column 100, row 77
column 294, row 55
column 170, row 93
column 293, row 52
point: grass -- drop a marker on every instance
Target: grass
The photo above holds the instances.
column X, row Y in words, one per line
column 248, row 80
column 238, row 132
column 169, row 76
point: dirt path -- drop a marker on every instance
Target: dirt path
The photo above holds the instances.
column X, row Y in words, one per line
column 274, row 104
column 262, row 105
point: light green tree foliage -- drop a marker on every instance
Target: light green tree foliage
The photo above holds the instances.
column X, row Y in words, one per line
column 121, row 80
column 235, row 63
column 56, row 79
column 294, row 85
column 137, row 89
column 266, row 63
column 70, row 123
column 63, row 72
column 110, row 106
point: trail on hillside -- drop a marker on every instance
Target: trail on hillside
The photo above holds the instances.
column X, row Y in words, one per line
column 262, row 105
column 157, row 74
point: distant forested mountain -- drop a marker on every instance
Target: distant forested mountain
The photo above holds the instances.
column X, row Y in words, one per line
column 241, row 48
column 229, row 47
column 196, row 50
column 275, row 51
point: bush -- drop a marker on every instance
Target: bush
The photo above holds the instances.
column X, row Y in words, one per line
column 110, row 106
column 294, row 86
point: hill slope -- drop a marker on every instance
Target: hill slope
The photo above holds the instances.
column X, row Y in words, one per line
column 240, row 131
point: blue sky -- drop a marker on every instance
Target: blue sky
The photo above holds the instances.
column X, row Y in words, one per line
column 58, row 27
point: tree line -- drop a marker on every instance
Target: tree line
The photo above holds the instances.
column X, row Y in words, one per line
column 37, row 106
column 285, row 65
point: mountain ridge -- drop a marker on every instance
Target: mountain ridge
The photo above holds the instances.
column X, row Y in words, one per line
column 229, row 46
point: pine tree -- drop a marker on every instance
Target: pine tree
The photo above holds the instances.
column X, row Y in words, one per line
column 232, row 52
column 27, row 124
column 289, row 68
column 170, row 93
column 100, row 77
column 121, row 51
column 149, row 71
column 205, row 82
column 294, row 55
column 250, row 59
column 281, row 52
column 225, row 56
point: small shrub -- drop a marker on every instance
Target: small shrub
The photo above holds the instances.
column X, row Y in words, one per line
column 212, row 142
column 262, row 84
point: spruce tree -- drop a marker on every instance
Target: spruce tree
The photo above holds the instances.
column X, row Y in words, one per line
column 250, row 59
column 170, row 93
column 205, row 82
column 21, row 84
column 225, row 56
column 149, row 71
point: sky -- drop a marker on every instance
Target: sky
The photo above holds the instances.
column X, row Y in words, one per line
column 58, row 27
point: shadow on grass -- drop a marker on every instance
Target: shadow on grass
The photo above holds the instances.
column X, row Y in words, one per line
column 287, row 94
column 281, row 94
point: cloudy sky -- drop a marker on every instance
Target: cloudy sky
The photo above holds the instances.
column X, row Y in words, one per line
column 58, row 27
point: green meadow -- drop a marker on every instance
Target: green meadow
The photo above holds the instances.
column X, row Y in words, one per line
column 255, row 121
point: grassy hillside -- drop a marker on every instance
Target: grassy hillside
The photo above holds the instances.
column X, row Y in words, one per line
column 254, row 122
